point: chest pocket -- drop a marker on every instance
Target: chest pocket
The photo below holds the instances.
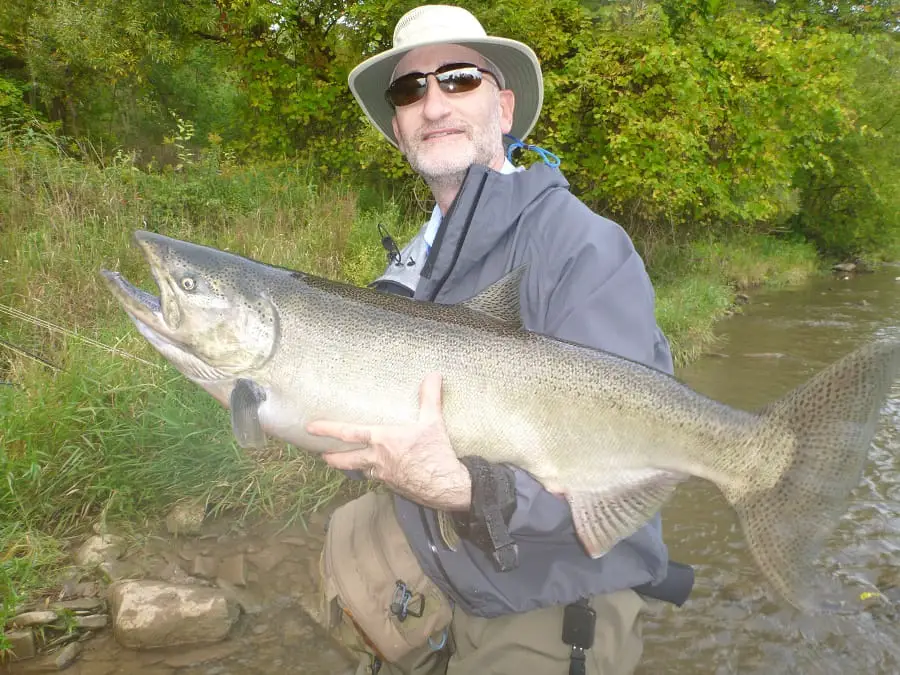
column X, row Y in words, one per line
column 401, row 277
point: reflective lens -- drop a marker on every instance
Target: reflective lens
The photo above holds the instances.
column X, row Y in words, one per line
column 454, row 78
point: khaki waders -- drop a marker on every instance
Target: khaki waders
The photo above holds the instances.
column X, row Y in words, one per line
column 366, row 553
column 530, row 643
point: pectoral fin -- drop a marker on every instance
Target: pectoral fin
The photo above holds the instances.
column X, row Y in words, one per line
column 245, row 400
column 627, row 501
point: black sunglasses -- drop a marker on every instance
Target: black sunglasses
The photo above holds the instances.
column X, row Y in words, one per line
column 454, row 78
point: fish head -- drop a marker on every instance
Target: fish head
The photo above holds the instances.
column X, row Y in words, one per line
column 212, row 318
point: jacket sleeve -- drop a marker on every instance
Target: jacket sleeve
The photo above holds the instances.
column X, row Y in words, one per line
column 586, row 284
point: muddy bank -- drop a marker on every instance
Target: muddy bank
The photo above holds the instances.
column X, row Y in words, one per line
column 266, row 575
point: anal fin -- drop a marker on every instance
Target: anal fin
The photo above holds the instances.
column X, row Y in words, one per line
column 627, row 500
column 448, row 532
column 245, row 400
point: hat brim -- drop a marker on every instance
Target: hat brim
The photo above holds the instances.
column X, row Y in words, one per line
column 516, row 61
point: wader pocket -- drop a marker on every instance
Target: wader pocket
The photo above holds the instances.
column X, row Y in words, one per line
column 376, row 595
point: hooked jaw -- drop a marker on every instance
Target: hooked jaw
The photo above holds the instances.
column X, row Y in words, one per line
column 144, row 310
column 152, row 311
column 212, row 329
column 140, row 305
column 155, row 318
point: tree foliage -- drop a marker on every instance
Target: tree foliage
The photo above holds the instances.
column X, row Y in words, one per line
column 676, row 117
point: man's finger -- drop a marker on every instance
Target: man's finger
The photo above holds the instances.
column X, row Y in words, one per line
column 343, row 431
column 430, row 398
column 355, row 460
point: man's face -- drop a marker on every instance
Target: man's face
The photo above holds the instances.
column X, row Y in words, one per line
column 442, row 135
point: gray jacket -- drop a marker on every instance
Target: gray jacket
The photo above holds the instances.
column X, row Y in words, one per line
column 585, row 283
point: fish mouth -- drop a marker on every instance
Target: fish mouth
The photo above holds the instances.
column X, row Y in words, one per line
column 143, row 307
column 153, row 316
column 145, row 310
column 159, row 313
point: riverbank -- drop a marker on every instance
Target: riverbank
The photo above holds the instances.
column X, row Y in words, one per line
column 97, row 429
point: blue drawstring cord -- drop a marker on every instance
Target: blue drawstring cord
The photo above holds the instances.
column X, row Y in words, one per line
column 547, row 157
column 439, row 646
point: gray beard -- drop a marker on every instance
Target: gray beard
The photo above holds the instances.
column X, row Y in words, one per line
column 486, row 148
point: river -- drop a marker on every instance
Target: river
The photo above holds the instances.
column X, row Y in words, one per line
column 730, row 624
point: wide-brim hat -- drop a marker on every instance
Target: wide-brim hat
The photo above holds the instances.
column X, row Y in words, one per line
column 444, row 24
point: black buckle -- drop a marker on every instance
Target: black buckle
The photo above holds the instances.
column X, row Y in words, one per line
column 389, row 245
column 401, row 603
column 579, row 624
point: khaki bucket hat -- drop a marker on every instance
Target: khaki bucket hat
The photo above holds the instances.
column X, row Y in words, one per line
column 445, row 24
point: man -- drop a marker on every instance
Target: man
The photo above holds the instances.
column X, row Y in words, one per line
column 445, row 95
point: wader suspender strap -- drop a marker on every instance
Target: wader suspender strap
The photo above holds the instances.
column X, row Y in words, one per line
column 579, row 621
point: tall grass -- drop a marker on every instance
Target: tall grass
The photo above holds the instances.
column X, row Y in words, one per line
column 89, row 435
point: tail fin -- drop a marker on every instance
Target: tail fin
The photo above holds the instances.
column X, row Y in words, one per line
column 831, row 420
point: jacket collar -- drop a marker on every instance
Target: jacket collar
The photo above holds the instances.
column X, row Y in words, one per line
column 484, row 214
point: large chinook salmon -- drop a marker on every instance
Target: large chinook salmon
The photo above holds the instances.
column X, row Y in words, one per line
column 283, row 348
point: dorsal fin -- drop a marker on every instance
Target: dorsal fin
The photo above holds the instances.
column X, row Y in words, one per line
column 500, row 300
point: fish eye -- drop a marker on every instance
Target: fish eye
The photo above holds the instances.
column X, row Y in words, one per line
column 188, row 284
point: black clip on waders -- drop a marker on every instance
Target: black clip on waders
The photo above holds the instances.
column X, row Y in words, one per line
column 579, row 621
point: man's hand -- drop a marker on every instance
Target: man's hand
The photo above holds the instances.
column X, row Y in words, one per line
column 416, row 460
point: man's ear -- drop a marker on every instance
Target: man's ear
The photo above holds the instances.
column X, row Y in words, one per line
column 507, row 107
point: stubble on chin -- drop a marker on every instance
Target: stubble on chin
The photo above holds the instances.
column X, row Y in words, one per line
column 442, row 169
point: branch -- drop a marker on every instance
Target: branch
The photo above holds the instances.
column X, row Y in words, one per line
column 889, row 120
column 209, row 36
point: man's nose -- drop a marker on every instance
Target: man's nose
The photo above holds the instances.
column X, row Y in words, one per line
column 435, row 104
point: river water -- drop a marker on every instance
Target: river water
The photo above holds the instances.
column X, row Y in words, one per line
column 730, row 624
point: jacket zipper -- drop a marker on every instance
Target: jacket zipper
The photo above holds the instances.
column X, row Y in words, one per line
column 426, row 272
column 462, row 238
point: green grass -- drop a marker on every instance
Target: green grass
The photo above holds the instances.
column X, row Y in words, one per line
column 32, row 560
column 687, row 310
column 696, row 282
column 91, row 435
column 891, row 251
